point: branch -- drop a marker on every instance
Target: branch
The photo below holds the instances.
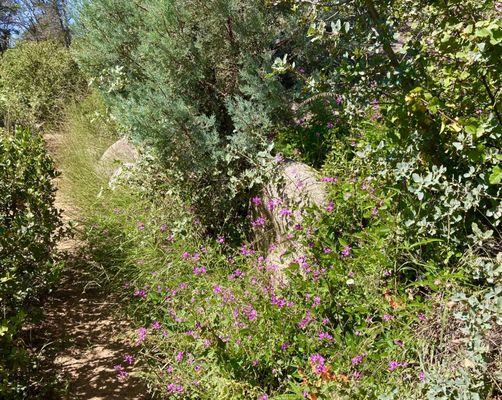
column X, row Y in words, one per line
column 492, row 97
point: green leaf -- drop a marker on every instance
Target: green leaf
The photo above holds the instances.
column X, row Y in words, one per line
column 496, row 175
column 471, row 129
column 3, row 330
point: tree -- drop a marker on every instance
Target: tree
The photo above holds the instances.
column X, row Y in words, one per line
column 38, row 19
column 8, row 14
column 188, row 77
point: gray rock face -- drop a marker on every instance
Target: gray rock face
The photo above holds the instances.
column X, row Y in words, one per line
column 121, row 153
column 297, row 186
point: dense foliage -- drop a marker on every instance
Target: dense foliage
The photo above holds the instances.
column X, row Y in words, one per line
column 427, row 74
column 37, row 80
column 189, row 78
column 30, row 227
column 395, row 293
column 387, row 288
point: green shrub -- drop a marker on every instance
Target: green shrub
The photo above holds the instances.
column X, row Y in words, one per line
column 189, row 78
column 30, row 227
column 424, row 73
column 37, row 80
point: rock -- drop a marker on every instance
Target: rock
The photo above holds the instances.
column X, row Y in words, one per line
column 297, row 187
column 121, row 153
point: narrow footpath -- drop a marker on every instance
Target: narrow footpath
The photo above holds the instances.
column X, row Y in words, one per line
column 83, row 335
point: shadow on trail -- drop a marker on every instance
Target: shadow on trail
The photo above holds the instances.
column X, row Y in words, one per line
column 83, row 338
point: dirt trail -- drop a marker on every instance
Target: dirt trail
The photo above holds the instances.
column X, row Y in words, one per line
column 83, row 335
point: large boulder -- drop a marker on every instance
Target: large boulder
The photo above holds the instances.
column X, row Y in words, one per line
column 119, row 154
column 295, row 187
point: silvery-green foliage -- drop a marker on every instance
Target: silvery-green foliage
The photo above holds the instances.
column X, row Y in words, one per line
column 188, row 78
column 478, row 314
column 447, row 196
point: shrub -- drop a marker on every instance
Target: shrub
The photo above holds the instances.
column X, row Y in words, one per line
column 37, row 80
column 30, row 227
column 189, row 78
column 424, row 73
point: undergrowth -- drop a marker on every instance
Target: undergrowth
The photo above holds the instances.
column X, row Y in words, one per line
column 365, row 311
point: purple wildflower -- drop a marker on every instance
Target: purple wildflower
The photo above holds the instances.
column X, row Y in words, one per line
column 346, row 251
column 121, row 372
column 318, row 363
column 325, row 336
column 250, row 312
column 396, row 364
column 272, row 203
column 142, row 332
column 199, row 270
column 285, row 212
column 175, row 388
column 305, row 321
column 245, row 251
column 128, row 359
column 260, row 221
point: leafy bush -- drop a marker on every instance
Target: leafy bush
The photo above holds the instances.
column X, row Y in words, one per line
column 37, row 80
column 30, row 227
column 424, row 73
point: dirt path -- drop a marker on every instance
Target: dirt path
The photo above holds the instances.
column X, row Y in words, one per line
column 83, row 335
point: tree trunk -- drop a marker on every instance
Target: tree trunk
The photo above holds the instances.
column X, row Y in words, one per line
column 60, row 9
